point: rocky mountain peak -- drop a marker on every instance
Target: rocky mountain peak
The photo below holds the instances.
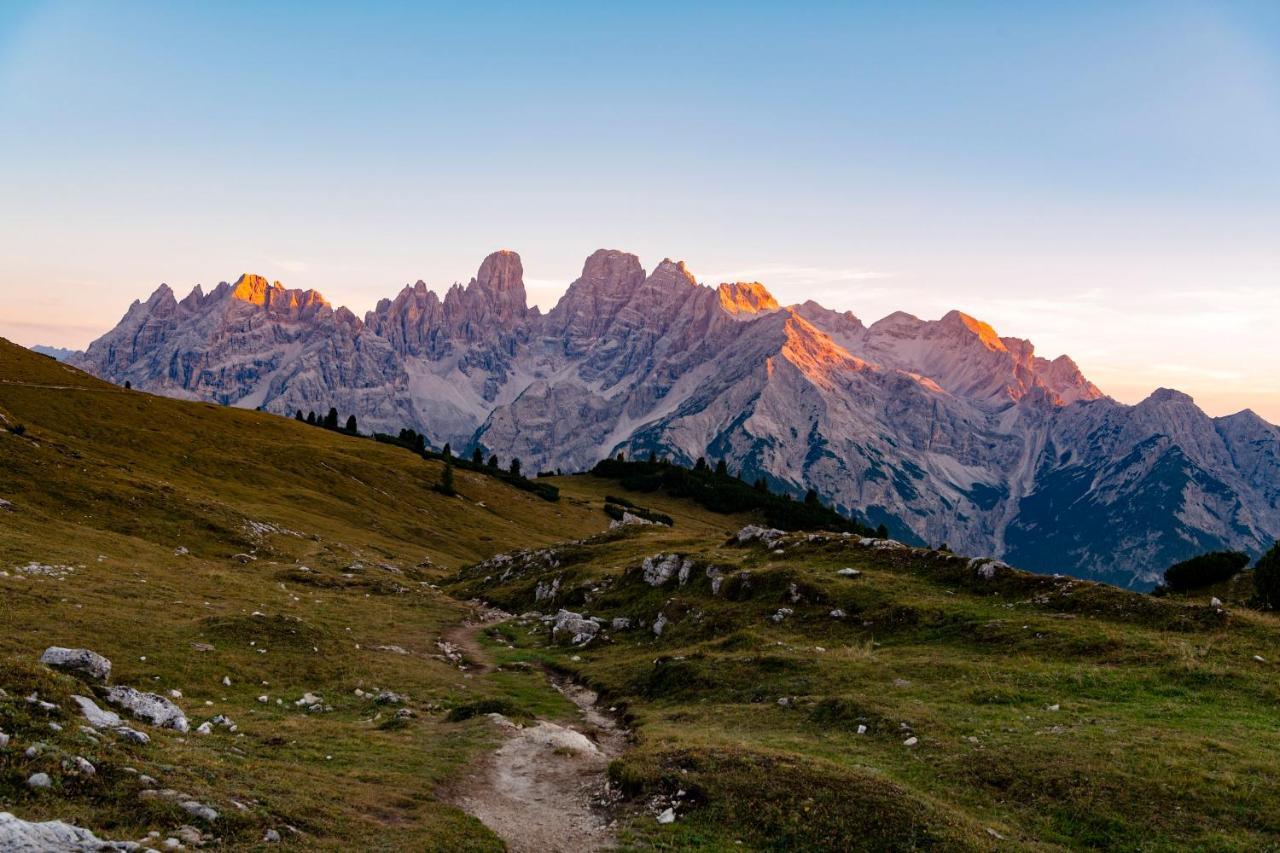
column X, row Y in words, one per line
column 745, row 299
column 959, row 321
column 501, row 279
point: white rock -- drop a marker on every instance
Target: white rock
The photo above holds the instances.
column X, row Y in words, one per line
column 205, row 728
column 80, row 661
column 848, row 573
column 574, row 627
column 199, row 810
column 756, row 533
column 660, row 624
column 271, row 837
column 226, row 681
column 667, row 816
column 4, row 741
column 150, row 708
column 39, row 780
column 264, row 699
column 1215, row 602
column 133, row 735
column 97, row 717
column 911, row 741
column 22, row 836
column 862, row 730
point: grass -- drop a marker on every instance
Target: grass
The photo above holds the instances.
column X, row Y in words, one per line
column 1048, row 713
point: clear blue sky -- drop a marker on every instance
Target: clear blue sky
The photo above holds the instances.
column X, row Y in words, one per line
column 1103, row 178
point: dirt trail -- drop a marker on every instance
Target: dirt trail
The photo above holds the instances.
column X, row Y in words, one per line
column 461, row 639
column 545, row 788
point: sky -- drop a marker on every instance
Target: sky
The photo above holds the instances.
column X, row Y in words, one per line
column 1100, row 178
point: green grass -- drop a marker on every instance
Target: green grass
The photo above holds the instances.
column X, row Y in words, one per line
column 1164, row 735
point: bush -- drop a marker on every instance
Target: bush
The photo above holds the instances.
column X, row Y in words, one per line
column 1266, row 578
column 1204, row 570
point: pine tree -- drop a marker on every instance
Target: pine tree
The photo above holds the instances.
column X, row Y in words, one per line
column 298, row 416
column 811, row 498
column 621, row 457
column 128, row 386
column 761, row 485
column 653, row 457
column 493, row 461
column 420, row 443
column 331, row 419
column 446, row 481
column 515, row 467
column 1266, row 578
column 882, row 532
column 311, row 418
column 722, row 469
column 447, row 453
column 700, row 465
column 351, row 424
column 477, row 457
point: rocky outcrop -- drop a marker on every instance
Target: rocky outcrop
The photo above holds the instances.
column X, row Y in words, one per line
column 79, row 661
column 943, row 430
column 21, row 836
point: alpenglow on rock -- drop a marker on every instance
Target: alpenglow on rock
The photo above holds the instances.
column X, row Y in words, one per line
column 942, row 430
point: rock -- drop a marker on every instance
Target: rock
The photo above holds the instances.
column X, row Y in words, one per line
column 133, row 736
column 79, row 661
column 150, row 708
column 80, row 765
column 667, row 816
column 264, row 699
column 1259, row 658
column 848, row 573
column 386, row 697
column 205, row 813
column 271, row 836
column 190, row 835
column 97, row 717
column 39, row 780
column 862, row 729
column 180, row 551
column 1215, row 602
column 837, row 613
column 308, row 699
column 574, row 627
column 660, row 624
column 620, row 623
column 57, row 727
column 6, row 506
column 34, row 699
column 204, row 729
column 783, row 613
column 4, row 741
column 20, row 836
column 1053, row 707
column 405, row 714
column 911, row 741
column 755, row 533
column 661, row 568
column 243, row 558
column 226, row 681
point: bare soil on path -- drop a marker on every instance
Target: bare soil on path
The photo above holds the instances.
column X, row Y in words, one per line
column 545, row 788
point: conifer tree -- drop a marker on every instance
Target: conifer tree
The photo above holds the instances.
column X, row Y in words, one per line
column 515, row 467
column 351, row 424
column 311, row 418
column 331, row 419
column 477, row 457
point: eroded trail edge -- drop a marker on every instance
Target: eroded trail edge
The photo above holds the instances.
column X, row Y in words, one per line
column 546, row 788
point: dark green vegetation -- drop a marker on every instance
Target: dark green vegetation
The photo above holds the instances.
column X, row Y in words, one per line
column 414, row 441
column 1266, row 578
column 190, row 542
column 1204, row 570
column 719, row 492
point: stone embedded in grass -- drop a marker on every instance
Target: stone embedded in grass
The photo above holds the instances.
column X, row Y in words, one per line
column 18, row 834
column 667, row 816
column 133, row 735
column 39, row 780
column 783, row 613
column 150, row 708
column 755, row 533
column 79, row 661
column 620, row 623
column 4, row 740
column 205, row 813
column 97, row 717
column 660, row 568
column 911, row 741
column 848, row 572
column 574, row 627
column 80, row 765
column 660, row 624
column 34, row 699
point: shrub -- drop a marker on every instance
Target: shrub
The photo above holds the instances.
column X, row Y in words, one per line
column 1266, row 578
column 1204, row 570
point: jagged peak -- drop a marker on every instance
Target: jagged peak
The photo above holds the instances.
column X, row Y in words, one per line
column 613, row 267
column 983, row 331
column 746, row 298
column 161, row 292
column 256, row 290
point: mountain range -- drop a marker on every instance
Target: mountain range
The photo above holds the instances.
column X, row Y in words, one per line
column 942, row 430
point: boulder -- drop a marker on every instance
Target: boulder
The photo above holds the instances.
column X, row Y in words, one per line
column 150, row 708
column 97, row 717
column 79, row 661
column 22, row 836
column 661, row 568
column 39, row 780
column 200, row 810
column 574, row 627
column 769, row 536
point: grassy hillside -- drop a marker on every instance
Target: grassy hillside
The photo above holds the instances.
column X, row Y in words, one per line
column 1048, row 713
column 775, row 710
column 346, row 535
